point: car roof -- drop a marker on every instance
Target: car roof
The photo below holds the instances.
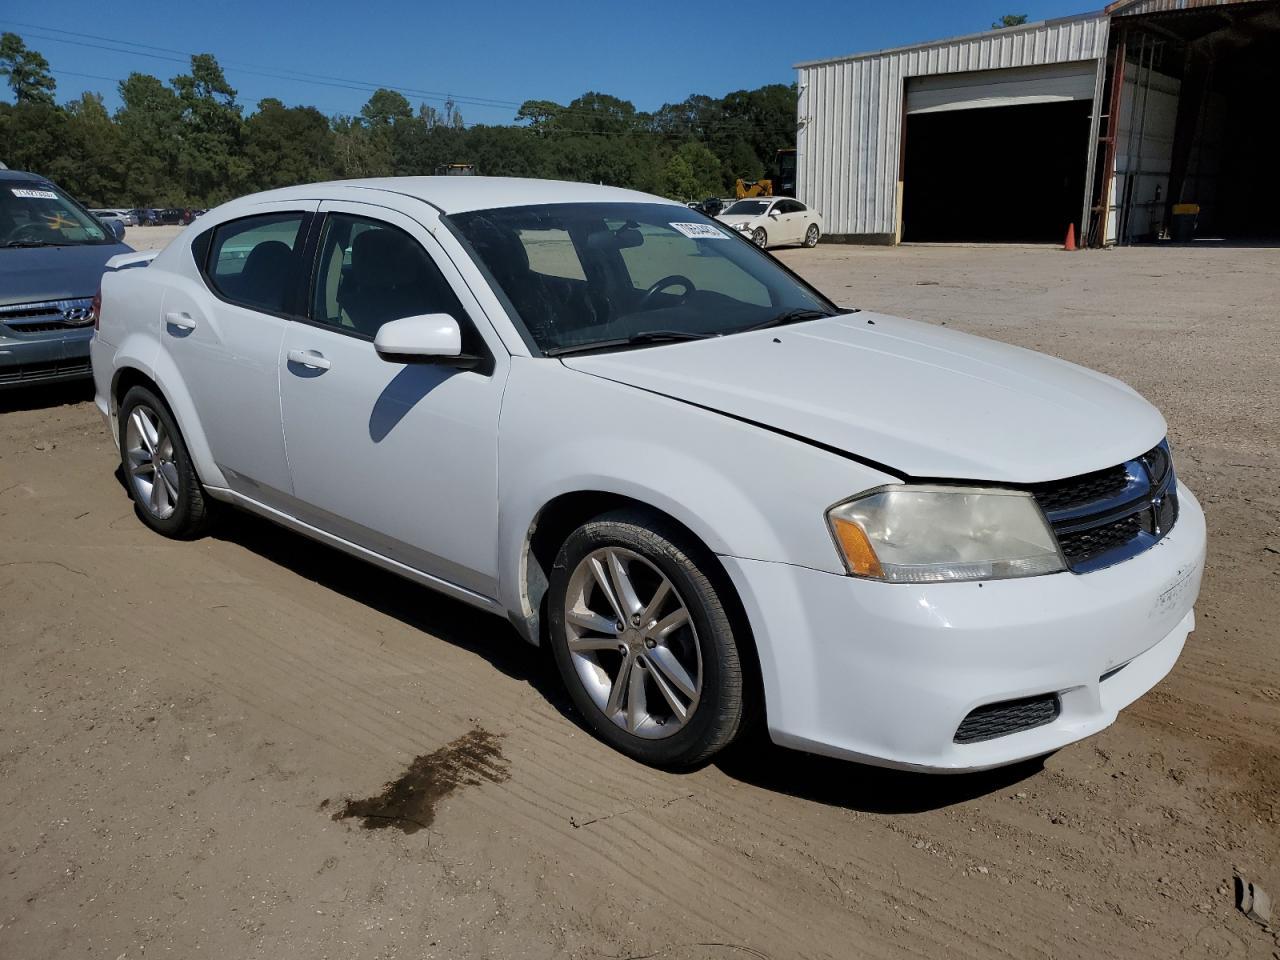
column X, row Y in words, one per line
column 460, row 194
column 21, row 175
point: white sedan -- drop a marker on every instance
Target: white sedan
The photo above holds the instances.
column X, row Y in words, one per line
column 623, row 428
column 773, row 221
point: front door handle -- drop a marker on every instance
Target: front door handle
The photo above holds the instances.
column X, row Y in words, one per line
column 182, row 320
column 309, row 358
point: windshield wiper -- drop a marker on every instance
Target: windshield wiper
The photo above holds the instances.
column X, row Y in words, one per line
column 795, row 315
column 637, row 339
column 31, row 243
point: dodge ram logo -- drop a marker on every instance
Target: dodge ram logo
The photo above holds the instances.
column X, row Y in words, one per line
column 76, row 316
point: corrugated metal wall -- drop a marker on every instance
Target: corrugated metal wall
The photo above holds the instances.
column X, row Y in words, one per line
column 850, row 112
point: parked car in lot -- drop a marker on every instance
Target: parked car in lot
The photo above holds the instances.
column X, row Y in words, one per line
column 109, row 217
column 774, row 221
column 716, row 494
column 52, row 253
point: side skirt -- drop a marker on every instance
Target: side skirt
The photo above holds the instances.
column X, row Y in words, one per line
column 363, row 553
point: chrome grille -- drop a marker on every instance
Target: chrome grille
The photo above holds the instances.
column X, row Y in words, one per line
column 46, row 316
column 1107, row 516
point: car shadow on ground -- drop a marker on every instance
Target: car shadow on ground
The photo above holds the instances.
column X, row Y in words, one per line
column 483, row 634
column 857, row 786
column 46, row 396
column 754, row 760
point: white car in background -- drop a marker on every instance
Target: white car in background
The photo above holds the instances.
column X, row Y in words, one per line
column 773, row 221
column 625, row 429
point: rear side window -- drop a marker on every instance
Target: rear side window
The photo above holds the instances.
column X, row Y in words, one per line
column 254, row 262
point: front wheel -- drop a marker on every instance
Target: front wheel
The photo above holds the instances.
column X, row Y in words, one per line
column 643, row 642
column 811, row 236
column 162, row 481
column 759, row 237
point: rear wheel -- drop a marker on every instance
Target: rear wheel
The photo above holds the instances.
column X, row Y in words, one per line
column 811, row 236
column 759, row 237
column 162, row 482
column 643, row 642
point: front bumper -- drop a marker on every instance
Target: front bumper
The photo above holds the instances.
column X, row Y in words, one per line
column 44, row 358
column 885, row 673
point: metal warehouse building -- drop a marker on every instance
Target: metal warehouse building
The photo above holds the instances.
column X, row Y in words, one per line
column 1139, row 122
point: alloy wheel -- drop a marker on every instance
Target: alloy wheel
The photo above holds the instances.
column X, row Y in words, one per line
column 759, row 237
column 632, row 643
column 152, row 467
column 811, row 236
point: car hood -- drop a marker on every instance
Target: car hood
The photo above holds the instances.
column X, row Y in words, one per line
column 32, row 274
column 923, row 400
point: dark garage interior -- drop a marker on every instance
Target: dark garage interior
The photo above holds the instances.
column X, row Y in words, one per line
column 995, row 174
column 1226, row 138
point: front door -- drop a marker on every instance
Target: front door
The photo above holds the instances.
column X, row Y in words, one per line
column 398, row 458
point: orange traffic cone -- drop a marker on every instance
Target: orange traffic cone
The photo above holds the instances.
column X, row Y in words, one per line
column 1071, row 237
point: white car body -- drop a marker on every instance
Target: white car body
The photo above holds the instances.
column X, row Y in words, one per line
column 746, row 440
column 783, row 220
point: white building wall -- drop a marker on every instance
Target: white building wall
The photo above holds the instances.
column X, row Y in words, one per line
column 850, row 112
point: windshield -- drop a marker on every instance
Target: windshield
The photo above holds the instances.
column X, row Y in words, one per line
column 749, row 208
column 38, row 214
column 607, row 273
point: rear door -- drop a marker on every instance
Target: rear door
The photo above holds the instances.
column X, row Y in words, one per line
column 224, row 332
column 398, row 458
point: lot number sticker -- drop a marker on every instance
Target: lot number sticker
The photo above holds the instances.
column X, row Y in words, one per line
column 35, row 194
column 700, row 231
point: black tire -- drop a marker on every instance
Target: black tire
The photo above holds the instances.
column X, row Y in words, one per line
column 189, row 517
column 811, row 235
column 760, row 238
column 721, row 709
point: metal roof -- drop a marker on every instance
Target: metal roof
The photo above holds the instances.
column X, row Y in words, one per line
column 963, row 38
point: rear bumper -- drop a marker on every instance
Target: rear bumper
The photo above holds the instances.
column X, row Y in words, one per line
column 30, row 360
column 886, row 673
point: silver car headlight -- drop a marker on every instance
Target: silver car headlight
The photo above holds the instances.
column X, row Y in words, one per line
column 932, row 534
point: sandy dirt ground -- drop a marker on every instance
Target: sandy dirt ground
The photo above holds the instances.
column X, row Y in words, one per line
column 183, row 725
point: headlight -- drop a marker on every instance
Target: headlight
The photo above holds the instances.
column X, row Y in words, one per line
column 929, row 534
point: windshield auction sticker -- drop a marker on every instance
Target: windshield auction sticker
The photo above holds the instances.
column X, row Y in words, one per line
column 34, row 194
column 700, row 231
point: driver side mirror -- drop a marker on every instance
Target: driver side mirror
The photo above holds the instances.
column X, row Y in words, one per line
column 773, row 212
column 426, row 338
column 116, row 228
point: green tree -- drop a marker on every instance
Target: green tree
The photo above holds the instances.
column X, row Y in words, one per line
column 1010, row 20
column 27, row 70
column 91, row 165
column 32, row 135
column 386, row 107
column 691, row 173
column 287, row 145
column 150, row 125
column 211, row 162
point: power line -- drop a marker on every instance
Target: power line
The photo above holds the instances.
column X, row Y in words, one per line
column 297, row 76
column 275, row 71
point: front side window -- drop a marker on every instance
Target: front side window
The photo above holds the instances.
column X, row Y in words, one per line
column 613, row 274
column 371, row 273
column 254, row 261
column 37, row 214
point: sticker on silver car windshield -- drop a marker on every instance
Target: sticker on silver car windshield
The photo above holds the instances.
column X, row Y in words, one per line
column 700, row 231
column 34, row 194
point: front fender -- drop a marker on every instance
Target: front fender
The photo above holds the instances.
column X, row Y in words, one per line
column 742, row 490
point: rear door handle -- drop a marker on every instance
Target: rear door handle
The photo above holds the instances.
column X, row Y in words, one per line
column 183, row 320
column 309, row 358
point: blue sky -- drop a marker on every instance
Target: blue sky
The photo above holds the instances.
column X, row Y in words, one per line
column 498, row 51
